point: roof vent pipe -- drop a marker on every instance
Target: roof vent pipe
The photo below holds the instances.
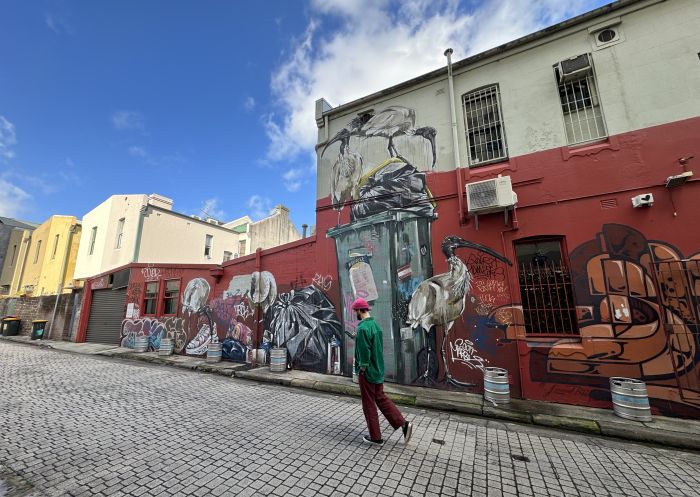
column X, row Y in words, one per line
column 303, row 228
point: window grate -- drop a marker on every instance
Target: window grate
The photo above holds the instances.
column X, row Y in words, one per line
column 484, row 124
column 548, row 304
column 583, row 116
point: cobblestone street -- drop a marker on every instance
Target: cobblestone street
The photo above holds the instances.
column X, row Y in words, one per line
column 76, row 425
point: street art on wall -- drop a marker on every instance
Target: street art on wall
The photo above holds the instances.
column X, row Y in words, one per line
column 303, row 321
column 194, row 304
column 155, row 330
column 440, row 301
column 629, row 328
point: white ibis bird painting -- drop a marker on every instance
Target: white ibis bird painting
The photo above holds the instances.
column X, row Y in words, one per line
column 389, row 123
column 345, row 177
column 440, row 300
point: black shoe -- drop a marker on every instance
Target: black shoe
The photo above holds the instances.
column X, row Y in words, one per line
column 368, row 440
column 407, row 429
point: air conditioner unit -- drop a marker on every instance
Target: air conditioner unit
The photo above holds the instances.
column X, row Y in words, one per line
column 573, row 68
column 491, row 195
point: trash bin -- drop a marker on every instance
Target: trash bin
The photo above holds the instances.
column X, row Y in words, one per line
column 38, row 328
column 10, row 326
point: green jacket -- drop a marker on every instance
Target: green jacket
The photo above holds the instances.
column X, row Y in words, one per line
column 369, row 350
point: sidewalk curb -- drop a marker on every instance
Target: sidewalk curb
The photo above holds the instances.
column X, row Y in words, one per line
column 680, row 433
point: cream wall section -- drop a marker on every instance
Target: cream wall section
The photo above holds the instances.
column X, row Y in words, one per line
column 169, row 237
column 106, row 218
column 658, row 51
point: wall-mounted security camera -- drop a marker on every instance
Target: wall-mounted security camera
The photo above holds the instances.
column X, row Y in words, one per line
column 643, row 200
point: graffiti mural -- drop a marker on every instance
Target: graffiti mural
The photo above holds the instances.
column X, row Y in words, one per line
column 194, row 304
column 155, row 330
column 440, row 301
column 303, row 321
column 627, row 329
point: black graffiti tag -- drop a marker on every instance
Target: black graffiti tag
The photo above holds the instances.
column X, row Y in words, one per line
column 485, row 267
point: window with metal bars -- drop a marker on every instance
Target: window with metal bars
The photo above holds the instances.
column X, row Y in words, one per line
column 484, row 124
column 546, row 289
column 580, row 105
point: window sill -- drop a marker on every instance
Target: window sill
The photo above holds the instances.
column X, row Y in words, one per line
column 590, row 148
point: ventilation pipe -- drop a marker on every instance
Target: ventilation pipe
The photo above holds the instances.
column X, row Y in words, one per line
column 455, row 138
column 303, row 230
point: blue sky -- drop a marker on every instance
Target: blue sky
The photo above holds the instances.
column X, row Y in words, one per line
column 209, row 103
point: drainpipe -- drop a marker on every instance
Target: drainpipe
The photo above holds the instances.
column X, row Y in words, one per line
column 258, row 313
column 64, row 269
column 455, row 138
column 139, row 229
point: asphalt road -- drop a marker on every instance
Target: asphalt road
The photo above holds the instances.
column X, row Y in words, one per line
column 80, row 425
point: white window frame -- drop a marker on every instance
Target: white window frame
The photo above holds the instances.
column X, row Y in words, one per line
column 93, row 236
column 208, row 246
column 227, row 255
column 120, row 233
column 477, row 105
column 582, row 115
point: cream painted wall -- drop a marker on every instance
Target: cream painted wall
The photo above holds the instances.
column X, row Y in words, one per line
column 168, row 237
column 652, row 77
column 106, row 217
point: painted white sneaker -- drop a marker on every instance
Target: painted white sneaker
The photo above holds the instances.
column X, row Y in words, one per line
column 200, row 343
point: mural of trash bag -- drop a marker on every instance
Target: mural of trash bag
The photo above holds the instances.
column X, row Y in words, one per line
column 237, row 343
column 395, row 184
column 305, row 322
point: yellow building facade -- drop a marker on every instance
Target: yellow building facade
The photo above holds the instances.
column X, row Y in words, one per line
column 48, row 258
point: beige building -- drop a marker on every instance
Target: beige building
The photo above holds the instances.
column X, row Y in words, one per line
column 276, row 229
column 144, row 228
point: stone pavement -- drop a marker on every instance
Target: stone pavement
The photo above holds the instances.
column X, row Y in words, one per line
column 670, row 432
column 90, row 425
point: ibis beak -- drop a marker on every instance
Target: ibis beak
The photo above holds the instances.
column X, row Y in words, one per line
column 486, row 250
column 340, row 136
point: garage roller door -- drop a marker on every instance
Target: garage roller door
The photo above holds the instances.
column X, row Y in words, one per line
column 106, row 315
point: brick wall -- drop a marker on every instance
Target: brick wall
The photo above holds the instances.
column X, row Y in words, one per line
column 29, row 309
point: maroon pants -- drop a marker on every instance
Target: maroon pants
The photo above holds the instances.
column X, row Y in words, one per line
column 372, row 397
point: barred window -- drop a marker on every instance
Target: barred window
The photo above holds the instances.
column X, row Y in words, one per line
column 546, row 289
column 484, row 124
column 580, row 105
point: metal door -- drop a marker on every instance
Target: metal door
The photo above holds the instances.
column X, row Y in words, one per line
column 106, row 315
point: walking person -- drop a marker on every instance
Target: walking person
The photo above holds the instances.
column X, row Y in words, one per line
column 369, row 364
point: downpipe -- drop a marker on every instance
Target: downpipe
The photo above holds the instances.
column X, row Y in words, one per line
column 455, row 138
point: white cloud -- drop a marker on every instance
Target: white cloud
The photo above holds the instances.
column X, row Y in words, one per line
column 128, row 119
column 138, row 152
column 210, row 208
column 8, row 138
column 375, row 47
column 293, row 179
column 249, row 103
column 259, row 207
column 58, row 24
column 13, row 200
